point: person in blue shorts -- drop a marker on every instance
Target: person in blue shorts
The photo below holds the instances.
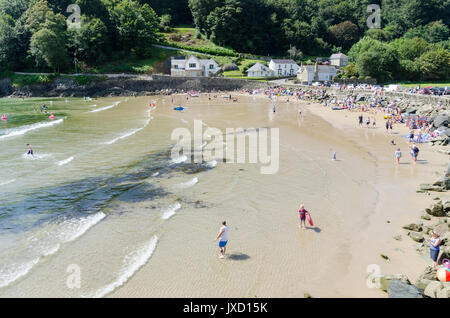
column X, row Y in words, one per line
column 223, row 239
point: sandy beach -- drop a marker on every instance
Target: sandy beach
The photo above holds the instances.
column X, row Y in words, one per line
column 152, row 221
column 358, row 202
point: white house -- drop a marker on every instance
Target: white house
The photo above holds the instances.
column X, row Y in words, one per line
column 284, row 67
column 316, row 73
column 259, row 70
column 339, row 60
column 193, row 66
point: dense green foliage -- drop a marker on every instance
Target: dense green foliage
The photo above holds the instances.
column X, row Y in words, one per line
column 412, row 42
column 35, row 34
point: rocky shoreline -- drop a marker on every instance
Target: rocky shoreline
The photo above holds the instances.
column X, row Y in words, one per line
column 435, row 217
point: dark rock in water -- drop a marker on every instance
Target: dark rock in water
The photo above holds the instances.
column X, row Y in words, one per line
column 426, row 217
column 399, row 289
column 441, row 120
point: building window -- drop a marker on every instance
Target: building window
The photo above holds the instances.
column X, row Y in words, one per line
column 279, row 72
column 211, row 66
column 175, row 66
column 192, row 65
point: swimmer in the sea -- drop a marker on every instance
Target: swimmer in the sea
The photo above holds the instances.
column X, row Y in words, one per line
column 30, row 150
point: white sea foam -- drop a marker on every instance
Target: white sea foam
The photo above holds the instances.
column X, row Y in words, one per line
column 179, row 159
column 132, row 263
column 131, row 133
column 12, row 272
column 7, row 182
column 72, row 229
column 170, row 211
column 36, row 156
column 105, row 108
column 47, row 242
column 19, row 131
column 65, row 161
column 188, row 184
column 155, row 174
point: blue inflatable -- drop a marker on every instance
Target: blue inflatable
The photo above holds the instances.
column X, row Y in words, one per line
column 179, row 108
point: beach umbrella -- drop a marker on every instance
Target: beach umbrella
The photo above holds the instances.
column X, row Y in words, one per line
column 429, row 87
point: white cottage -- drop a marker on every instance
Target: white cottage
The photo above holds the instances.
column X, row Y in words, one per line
column 193, row 66
column 316, row 73
column 259, row 70
column 339, row 60
column 284, row 67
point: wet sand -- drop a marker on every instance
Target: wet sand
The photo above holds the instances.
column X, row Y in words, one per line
column 358, row 204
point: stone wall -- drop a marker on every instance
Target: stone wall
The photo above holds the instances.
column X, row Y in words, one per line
column 126, row 86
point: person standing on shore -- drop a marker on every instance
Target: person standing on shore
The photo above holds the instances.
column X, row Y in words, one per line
column 398, row 155
column 360, row 120
column 414, row 153
column 434, row 241
column 223, row 239
column 302, row 214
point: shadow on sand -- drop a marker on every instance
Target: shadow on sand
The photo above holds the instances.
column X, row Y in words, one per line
column 315, row 229
column 238, row 256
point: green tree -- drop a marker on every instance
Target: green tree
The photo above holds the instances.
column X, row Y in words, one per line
column 6, row 40
column 435, row 64
column 137, row 26
column 344, row 34
column 87, row 43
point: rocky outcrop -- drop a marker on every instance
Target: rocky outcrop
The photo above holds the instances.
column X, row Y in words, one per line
column 401, row 289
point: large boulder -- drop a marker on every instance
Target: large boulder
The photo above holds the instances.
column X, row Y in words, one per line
column 436, row 209
column 441, row 120
column 400, row 289
column 422, row 283
column 429, row 273
column 430, row 187
column 433, row 288
column 444, row 292
column 386, row 280
column 413, row 227
column 447, row 206
column 443, row 182
column 416, row 236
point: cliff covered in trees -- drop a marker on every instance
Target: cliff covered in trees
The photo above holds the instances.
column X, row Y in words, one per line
column 410, row 43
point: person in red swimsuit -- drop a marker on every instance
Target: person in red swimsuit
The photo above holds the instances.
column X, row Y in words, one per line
column 302, row 213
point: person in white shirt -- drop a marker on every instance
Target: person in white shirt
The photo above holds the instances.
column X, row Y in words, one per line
column 223, row 236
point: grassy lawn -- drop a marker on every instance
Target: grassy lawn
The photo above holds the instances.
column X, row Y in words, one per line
column 19, row 80
column 240, row 73
column 194, row 42
column 135, row 66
